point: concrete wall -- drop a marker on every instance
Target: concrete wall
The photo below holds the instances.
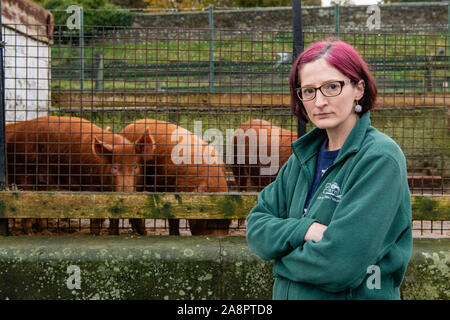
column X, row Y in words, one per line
column 27, row 76
column 157, row 267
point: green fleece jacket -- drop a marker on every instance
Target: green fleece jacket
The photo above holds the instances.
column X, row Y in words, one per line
column 364, row 200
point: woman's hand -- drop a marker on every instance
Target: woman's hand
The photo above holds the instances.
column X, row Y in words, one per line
column 315, row 232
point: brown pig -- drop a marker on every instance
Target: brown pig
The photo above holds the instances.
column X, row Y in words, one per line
column 73, row 154
column 175, row 166
column 250, row 173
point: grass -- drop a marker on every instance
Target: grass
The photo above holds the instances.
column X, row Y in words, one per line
column 422, row 133
column 245, row 62
column 245, row 47
column 181, row 60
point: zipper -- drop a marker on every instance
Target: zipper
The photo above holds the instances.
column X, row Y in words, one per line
column 314, row 195
column 349, row 294
column 304, row 167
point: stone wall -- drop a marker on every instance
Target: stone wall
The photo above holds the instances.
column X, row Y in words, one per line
column 162, row 268
column 280, row 18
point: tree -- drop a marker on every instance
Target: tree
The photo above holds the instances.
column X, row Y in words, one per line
column 129, row 3
column 272, row 3
column 342, row 2
column 188, row 4
column 178, row 4
column 395, row 1
column 41, row 2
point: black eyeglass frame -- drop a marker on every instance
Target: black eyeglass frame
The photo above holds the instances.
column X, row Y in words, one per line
column 341, row 82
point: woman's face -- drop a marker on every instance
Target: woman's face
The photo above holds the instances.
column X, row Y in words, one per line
column 330, row 113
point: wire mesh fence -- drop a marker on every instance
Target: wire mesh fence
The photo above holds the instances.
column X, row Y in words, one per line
column 83, row 226
column 198, row 110
column 227, row 78
column 420, row 228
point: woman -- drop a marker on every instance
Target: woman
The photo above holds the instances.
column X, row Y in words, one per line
column 337, row 220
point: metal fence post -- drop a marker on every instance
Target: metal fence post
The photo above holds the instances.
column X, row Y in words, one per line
column 211, row 48
column 298, row 47
column 99, row 74
column 81, row 37
column 336, row 20
column 3, row 222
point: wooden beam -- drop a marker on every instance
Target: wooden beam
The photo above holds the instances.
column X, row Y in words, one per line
column 161, row 206
column 75, row 101
column 121, row 205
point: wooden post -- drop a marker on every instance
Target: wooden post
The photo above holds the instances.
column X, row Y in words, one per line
column 211, row 48
column 336, row 20
column 99, row 77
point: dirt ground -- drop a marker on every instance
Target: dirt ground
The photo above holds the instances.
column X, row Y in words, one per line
column 431, row 229
column 82, row 226
column 421, row 229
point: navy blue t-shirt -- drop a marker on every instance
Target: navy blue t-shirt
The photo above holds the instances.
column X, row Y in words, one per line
column 324, row 161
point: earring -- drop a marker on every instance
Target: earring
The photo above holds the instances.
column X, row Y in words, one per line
column 358, row 107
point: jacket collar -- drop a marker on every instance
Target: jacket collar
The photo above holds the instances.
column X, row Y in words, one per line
column 308, row 145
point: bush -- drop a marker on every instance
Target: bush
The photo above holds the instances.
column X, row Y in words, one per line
column 270, row 3
column 183, row 4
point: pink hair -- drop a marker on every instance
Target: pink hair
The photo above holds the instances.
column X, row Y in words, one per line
column 344, row 58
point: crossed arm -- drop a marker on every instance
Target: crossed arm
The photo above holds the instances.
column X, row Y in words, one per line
column 272, row 234
column 315, row 232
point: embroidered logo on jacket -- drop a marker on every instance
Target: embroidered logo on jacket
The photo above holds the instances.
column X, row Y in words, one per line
column 331, row 191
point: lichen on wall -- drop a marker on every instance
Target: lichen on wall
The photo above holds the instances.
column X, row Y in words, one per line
column 164, row 267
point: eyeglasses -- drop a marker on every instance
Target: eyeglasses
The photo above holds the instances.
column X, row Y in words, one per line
column 330, row 89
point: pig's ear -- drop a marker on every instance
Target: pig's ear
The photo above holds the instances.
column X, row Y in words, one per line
column 145, row 145
column 108, row 129
column 101, row 148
